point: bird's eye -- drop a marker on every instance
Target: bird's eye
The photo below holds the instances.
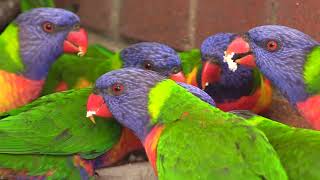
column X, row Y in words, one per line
column 272, row 45
column 117, row 89
column 175, row 70
column 147, row 65
column 48, row 27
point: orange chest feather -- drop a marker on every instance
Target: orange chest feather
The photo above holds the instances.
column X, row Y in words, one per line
column 258, row 102
column 16, row 91
column 310, row 110
column 151, row 143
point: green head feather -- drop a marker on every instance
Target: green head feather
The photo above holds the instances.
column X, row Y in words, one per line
column 10, row 51
column 312, row 71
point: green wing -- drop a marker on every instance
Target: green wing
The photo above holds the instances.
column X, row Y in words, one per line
column 202, row 142
column 56, row 124
column 99, row 51
column 10, row 59
column 26, row 5
column 61, row 167
column 74, row 70
column 189, row 60
column 311, row 71
column 298, row 149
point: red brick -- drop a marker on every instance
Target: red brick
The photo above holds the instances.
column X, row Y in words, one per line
column 95, row 14
column 215, row 16
column 164, row 21
column 66, row 3
column 303, row 15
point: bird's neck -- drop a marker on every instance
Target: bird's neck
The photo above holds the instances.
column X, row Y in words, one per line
column 290, row 83
column 311, row 71
column 150, row 144
column 310, row 110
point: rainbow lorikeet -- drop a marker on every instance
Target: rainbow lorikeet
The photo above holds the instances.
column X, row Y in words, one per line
column 152, row 56
column 184, row 137
column 51, row 137
column 29, row 46
column 243, row 89
column 77, row 72
column 289, row 58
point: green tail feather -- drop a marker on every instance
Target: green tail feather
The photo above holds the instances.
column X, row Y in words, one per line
column 26, row 5
column 312, row 71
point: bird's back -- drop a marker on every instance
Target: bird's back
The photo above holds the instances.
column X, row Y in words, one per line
column 200, row 141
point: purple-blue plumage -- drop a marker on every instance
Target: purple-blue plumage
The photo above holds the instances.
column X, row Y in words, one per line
column 131, row 103
column 198, row 92
column 284, row 66
column 232, row 85
column 38, row 48
column 155, row 56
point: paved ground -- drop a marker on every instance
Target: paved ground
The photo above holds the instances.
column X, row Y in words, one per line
column 136, row 171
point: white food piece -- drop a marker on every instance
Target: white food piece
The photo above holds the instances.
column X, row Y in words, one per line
column 90, row 113
column 233, row 66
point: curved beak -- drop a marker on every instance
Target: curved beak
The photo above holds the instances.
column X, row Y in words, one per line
column 210, row 74
column 76, row 42
column 241, row 52
column 178, row 77
column 97, row 106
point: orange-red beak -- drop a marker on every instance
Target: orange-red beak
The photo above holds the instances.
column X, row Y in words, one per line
column 210, row 74
column 97, row 106
column 242, row 52
column 178, row 77
column 76, row 42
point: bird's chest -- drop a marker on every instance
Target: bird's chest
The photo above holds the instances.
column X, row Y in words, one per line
column 16, row 91
column 310, row 110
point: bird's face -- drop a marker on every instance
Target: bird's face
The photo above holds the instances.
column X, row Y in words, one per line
column 155, row 57
column 123, row 94
column 280, row 54
column 214, row 69
column 53, row 28
column 44, row 34
column 272, row 48
column 212, row 50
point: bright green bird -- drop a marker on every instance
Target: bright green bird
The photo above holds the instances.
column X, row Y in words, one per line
column 53, row 125
column 184, row 137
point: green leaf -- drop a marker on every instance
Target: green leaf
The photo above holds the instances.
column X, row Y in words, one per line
column 26, row 5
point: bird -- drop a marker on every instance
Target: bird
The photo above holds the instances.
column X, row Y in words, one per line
column 71, row 71
column 185, row 137
column 289, row 59
column 29, row 46
column 51, row 137
column 242, row 89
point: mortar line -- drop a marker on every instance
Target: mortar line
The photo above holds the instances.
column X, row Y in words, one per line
column 192, row 23
column 115, row 19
